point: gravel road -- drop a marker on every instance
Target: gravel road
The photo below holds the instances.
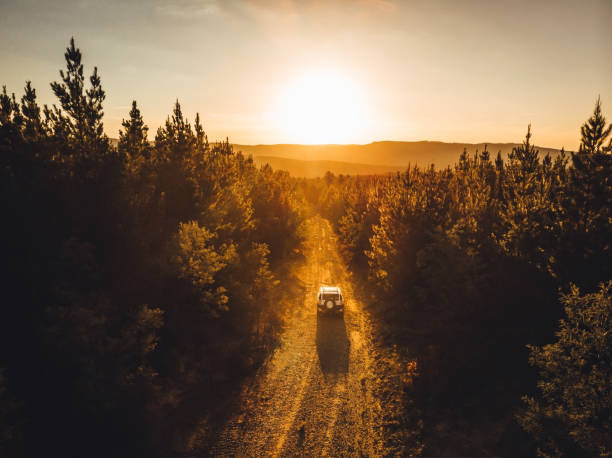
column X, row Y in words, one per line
column 315, row 395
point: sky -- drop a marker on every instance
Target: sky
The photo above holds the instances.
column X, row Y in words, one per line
column 312, row 71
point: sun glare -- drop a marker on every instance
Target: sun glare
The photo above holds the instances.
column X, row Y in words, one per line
column 322, row 107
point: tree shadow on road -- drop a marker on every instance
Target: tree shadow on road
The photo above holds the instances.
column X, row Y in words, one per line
column 332, row 345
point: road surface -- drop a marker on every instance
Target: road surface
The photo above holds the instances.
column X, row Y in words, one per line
column 317, row 395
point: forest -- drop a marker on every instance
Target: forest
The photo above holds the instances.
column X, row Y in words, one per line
column 142, row 283
column 136, row 279
column 495, row 277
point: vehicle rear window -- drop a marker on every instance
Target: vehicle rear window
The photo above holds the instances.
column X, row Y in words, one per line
column 330, row 296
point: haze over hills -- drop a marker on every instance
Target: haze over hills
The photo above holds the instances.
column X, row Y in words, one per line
column 375, row 158
column 371, row 158
column 313, row 169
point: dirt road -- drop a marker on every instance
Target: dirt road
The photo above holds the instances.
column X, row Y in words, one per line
column 315, row 396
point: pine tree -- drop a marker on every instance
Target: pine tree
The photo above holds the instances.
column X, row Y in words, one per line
column 594, row 131
column 201, row 138
column 464, row 160
column 10, row 118
column 33, row 128
column 499, row 162
column 588, row 205
column 499, row 177
column 133, row 142
column 485, row 155
column 526, row 154
column 175, row 141
column 571, row 415
column 80, row 115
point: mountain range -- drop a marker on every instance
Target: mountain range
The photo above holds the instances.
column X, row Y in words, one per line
column 372, row 158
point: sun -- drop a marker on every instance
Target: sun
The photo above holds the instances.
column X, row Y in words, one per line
column 322, row 107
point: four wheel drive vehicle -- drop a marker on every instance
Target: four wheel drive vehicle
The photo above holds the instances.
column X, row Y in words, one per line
column 330, row 300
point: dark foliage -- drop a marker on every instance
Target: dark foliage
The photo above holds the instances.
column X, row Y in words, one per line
column 136, row 280
column 572, row 414
column 465, row 265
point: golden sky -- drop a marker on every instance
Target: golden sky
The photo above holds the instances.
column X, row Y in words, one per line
column 263, row 71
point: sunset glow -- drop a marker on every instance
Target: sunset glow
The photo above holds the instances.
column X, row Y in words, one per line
column 350, row 71
column 322, row 107
column 305, row 228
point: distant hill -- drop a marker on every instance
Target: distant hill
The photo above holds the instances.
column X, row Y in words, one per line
column 389, row 154
column 312, row 169
column 375, row 158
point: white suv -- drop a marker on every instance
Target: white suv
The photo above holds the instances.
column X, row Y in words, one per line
column 330, row 300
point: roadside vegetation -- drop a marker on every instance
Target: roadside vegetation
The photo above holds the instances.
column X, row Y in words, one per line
column 136, row 279
column 470, row 269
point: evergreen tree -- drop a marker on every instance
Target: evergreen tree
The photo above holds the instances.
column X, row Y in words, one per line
column 499, row 177
column 201, row 138
column 571, row 415
column 588, row 206
column 33, row 128
column 464, row 159
column 80, row 114
column 133, row 142
column 485, row 156
column 10, row 118
column 499, row 162
column 526, row 155
column 594, row 131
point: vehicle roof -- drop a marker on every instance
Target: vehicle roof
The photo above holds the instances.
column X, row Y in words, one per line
column 329, row 289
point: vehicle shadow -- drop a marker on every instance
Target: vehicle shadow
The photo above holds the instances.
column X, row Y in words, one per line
column 333, row 345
